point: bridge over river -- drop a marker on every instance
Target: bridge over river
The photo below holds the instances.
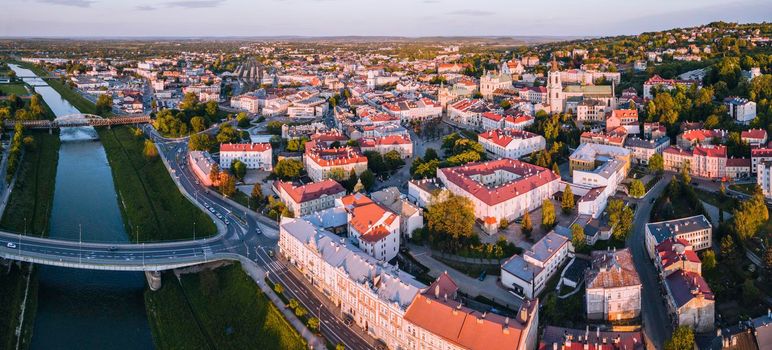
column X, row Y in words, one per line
column 115, row 256
column 74, row 120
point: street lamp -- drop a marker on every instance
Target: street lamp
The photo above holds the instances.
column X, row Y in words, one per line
column 80, row 244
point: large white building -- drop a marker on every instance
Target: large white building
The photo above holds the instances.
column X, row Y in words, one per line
column 253, row 155
column 500, row 189
column 390, row 305
column 418, row 110
column 696, row 230
column 764, row 178
column 613, row 286
column 741, row 110
column 309, row 198
column 527, row 274
column 320, row 161
column 492, row 121
column 385, row 144
column 491, row 81
column 703, row 161
column 511, row 143
column 371, row 227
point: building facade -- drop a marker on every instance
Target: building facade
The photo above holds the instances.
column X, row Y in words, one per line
column 253, row 155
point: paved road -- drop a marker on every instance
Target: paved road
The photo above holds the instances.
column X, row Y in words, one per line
column 656, row 323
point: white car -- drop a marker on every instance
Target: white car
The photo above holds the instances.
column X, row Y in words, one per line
column 11, row 245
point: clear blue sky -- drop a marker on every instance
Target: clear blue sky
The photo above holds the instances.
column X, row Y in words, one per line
column 365, row 17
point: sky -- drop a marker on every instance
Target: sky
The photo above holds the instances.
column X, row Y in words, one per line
column 412, row 18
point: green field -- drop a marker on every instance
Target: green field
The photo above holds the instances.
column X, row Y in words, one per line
column 33, row 193
column 221, row 309
column 152, row 205
column 13, row 282
column 16, row 88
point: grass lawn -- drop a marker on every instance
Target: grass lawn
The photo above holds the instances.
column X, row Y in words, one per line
column 13, row 282
column 727, row 204
column 744, row 188
column 222, row 309
column 33, row 192
column 150, row 201
column 78, row 101
column 16, row 88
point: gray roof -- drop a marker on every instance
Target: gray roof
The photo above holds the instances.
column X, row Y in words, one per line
column 634, row 142
column 666, row 229
column 547, row 246
column 520, row 268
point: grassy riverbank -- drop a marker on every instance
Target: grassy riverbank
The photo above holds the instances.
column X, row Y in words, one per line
column 78, row 101
column 32, row 198
column 221, row 309
column 151, row 203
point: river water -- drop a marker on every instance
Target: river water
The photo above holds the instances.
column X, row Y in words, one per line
column 85, row 309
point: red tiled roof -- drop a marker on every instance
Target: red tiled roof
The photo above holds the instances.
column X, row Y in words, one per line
column 531, row 177
column 672, row 251
column 245, row 147
column 716, row 151
column 738, row 162
column 761, row 152
column 310, row 191
column 504, row 137
column 754, row 134
column 371, row 221
column 625, row 115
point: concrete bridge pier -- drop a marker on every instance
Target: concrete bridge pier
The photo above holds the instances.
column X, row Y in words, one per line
column 153, row 280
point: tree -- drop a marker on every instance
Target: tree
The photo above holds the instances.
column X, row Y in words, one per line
column 227, row 184
column 340, row 346
column 750, row 215
column 367, row 179
column 709, row 260
column 452, row 217
column 393, row 160
column 751, row 293
column 151, row 152
column 29, row 142
column 274, row 127
column 198, row 124
column 547, row 214
column 200, row 142
column 727, row 247
column 577, row 236
column 278, row 288
column 430, row 154
column 257, row 194
column 526, row 226
column 293, row 303
column 212, row 108
column 637, row 189
column 300, row 311
column 620, row 218
column 567, row 202
column 681, row 339
column 242, row 120
column 228, row 134
column 686, row 178
column 104, row 104
column 239, row 169
column 555, row 169
column 288, row 169
column 189, row 102
column 214, row 174
column 313, row 324
column 337, row 174
column 375, row 162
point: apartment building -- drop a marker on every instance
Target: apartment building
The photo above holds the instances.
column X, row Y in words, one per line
column 528, row 273
column 309, row 198
column 253, row 155
column 613, row 286
column 511, row 143
column 696, row 230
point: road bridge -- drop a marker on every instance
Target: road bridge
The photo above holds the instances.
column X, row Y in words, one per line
column 75, row 120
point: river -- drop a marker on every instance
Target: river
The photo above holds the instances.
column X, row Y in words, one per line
column 85, row 309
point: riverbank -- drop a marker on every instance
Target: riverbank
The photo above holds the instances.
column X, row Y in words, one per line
column 152, row 206
column 185, row 314
column 28, row 211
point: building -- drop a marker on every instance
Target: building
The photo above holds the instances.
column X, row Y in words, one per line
column 201, row 164
column 410, row 216
column 741, row 110
column 613, row 286
column 557, row 338
column 422, row 192
column 568, row 98
column 690, row 301
column 664, row 84
column 467, row 113
column 702, row 161
column 501, row 189
column 385, row 144
column 253, row 155
column 626, row 118
column 437, row 320
column 511, row 143
column 592, row 157
column 754, row 137
column 676, row 254
column 419, row 110
column 696, row 230
column 702, row 137
column 642, row 150
column 527, row 274
column 764, row 177
column 611, row 139
column 371, row 227
column 490, row 81
column 320, row 162
column 759, row 155
column 492, row 121
column 309, row 198
column 312, row 107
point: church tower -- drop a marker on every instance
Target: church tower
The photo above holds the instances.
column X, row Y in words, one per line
column 555, row 88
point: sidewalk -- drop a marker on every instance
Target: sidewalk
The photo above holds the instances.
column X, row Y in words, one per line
column 489, row 288
column 258, row 275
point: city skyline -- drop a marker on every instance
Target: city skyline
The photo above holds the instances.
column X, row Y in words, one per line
column 319, row 18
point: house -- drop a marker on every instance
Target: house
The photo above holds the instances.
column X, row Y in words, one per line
column 410, row 216
column 754, row 137
column 371, row 227
column 627, row 118
column 385, row 144
column 423, row 191
column 741, row 110
column 500, row 189
column 696, row 230
column 253, row 155
column 664, row 84
column 557, row 338
column 675, row 254
column 322, row 162
column 528, row 273
column 511, row 143
column 702, row 161
column 201, row 164
column 592, row 157
column 309, row 198
column 690, row 301
column 759, row 155
column 613, row 286
column 491, row 81
column 703, row 137
column 764, row 177
column 642, row 150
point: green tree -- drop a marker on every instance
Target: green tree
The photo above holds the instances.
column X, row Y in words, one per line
column 300, row 311
column 453, row 217
column 293, row 304
column 686, row 178
column 547, row 214
column 189, row 103
column 620, row 218
column 227, row 184
column 214, row 174
column 430, row 154
column 228, row 134
column 274, row 127
column 340, row 346
column 751, row 293
column 200, row 142
column 313, row 324
column 567, row 202
column 242, row 120
column 104, row 104
column 578, row 238
column 288, row 169
column 708, row 260
column 211, row 109
column 151, row 152
column 727, row 247
column 337, row 174
column 751, row 215
column 368, row 179
column 197, row 124
column 637, row 189
column 278, row 288
column 526, row 225
column 393, row 160
column 681, row 339
column 239, row 169
column 375, row 162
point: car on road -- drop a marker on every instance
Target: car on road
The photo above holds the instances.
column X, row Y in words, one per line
column 348, row 320
column 10, row 245
column 482, row 276
column 112, row 248
column 270, row 252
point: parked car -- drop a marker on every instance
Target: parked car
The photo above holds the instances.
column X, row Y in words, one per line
column 11, row 245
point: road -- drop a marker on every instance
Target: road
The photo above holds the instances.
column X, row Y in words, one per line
column 656, row 323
